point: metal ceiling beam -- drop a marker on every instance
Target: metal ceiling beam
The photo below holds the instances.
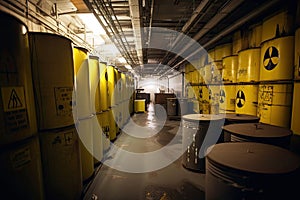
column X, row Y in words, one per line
column 230, row 29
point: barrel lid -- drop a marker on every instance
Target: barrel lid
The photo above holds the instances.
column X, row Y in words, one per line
column 233, row 117
column 254, row 157
column 202, row 117
column 257, row 130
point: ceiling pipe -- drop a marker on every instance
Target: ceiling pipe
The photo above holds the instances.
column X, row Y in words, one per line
column 227, row 9
column 230, row 29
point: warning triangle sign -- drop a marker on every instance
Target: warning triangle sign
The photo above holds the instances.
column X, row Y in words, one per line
column 14, row 100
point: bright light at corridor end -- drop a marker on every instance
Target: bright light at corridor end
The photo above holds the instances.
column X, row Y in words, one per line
column 133, row 162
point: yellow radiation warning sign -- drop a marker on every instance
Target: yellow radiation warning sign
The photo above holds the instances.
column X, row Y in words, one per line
column 13, row 98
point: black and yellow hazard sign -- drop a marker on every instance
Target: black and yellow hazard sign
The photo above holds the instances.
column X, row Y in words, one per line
column 13, row 98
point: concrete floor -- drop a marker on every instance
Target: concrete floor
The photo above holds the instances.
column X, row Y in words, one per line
column 171, row 182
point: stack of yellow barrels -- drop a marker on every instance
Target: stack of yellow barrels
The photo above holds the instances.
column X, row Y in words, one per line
column 53, row 78
column 83, row 112
column 216, row 66
column 94, row 81
column 111, row 102
column 20, row 158
column 276, row 71
column 247, row 81
column 103, row 114
column 117, row 111
column 295, row 125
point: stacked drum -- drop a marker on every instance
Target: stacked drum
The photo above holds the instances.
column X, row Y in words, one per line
column 276, row 71
column 53, row 78
column 20, row 158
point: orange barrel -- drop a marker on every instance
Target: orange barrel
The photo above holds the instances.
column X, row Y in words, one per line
column 222, row 51
column 297, row 54
column 295, row 125
column 103, row 119
column 17, row 110
column 111, row 86
column 182, row 108
column 232, row 118
column 250, row 170
column 103, row 87
column 216, row 68
column 274, row 104
column 53, row 78
column 248, row 65
column 83, row 106
column 21, row 170
column 85, row 132
column 246, row 99
column 198, row 133
column 230, row 66
column 172, row 106
column 227, row 98
column 257, row 132
column 277, row 25
column 112, row 125
column 61, row 163
column 277, row 59
column 94, row 76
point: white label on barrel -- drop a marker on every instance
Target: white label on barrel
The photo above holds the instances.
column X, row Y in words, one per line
column 63, row 100
column 13, row 98
column 20, row 158
column 14, row 106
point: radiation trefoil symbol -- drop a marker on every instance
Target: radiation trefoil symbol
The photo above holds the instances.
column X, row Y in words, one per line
column 222, row 96
column 240, row 99
column 271, row 58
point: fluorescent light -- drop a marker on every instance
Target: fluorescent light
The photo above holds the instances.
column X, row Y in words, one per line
column 91, row 23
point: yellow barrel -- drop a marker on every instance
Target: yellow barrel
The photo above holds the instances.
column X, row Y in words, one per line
column 190, row 92
column 255, row 35
column 139, row 105
column 111, row 86
column 222, row 51
column 21, row 171
column 236, row 42
column 85, row 131
column 230, row 66
column 97, row 140
column 278, row 25
column 248, row 65
column 112, row 125
column 196, row 91
column 208, row 73
column 204, row 99
column 216, row 68
column 274, row 104
column 295, row 125
column 246, row 99
column 17, row 110
column 103, row 119
column 227, row 98
column 53, row 77
column 94, row 76
column 123, row 87
column 201, row 73
column 118, row 86
column 277, row 59
column 297, row 55
column 103, row 87
column 211, row 55
column 195, row 76
column 61, row 163
column 214, row 97
column 83, row 106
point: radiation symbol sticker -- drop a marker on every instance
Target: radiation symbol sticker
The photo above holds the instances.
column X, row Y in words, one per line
column 222, row 96
column 240, row 99
column 271, row 58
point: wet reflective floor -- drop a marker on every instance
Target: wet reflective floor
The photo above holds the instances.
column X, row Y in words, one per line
column 149, row 178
